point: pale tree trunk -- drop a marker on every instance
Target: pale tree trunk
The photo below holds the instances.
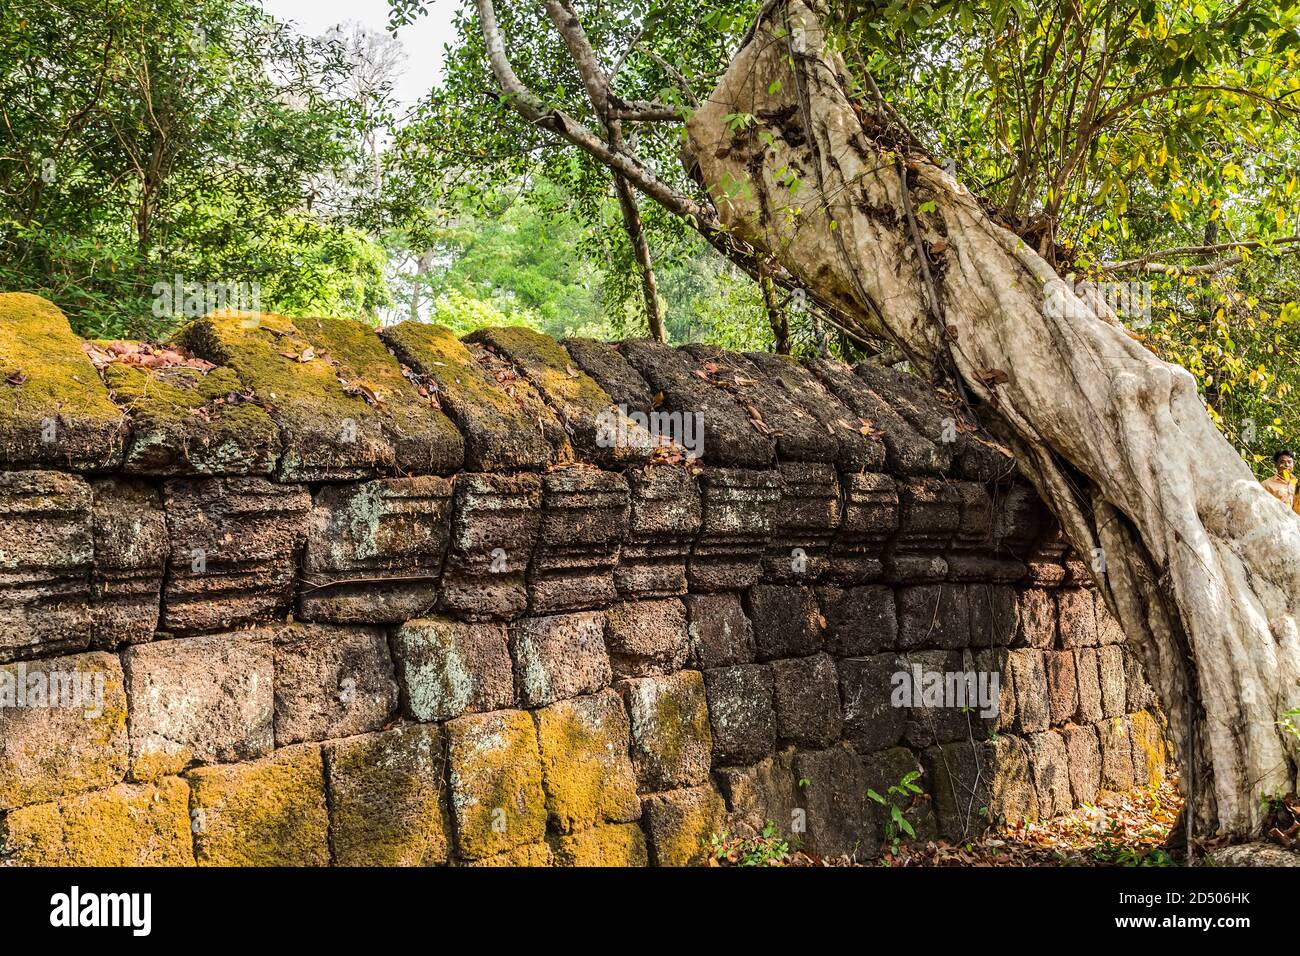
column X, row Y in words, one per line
column 1200, row 565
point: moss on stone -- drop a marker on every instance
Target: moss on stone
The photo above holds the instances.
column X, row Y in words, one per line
column 268, row 812
column 505, row 426
column 585, row 767
column 314, row 376
column 586, row 409
column 496, row 782
column 386, row 806
column 46, row 377
column 1149, row 748
column 680, row 823
column 530, row 854
column 184, row 422
column 126, row 825
column 617, row 845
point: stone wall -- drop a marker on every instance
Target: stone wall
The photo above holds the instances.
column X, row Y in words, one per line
column 399, row 598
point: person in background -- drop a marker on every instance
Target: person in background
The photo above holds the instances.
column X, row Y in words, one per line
column 1282, row 484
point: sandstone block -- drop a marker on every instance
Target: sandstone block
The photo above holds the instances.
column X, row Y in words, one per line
column 447, row 668
column 559, row 656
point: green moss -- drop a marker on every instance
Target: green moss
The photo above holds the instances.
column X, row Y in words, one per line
column 530, row 854
column 45, row 374
column 268, row 812
column 496, row 782
column 620, row 845
column 585, row 767
column 182, row 422
column 340, row 397
column 124, row 825
column 506, row 422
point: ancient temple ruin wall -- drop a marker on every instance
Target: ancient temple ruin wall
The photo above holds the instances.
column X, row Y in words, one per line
column 398, row 598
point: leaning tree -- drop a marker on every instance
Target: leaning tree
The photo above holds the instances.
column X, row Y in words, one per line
column 811, row 179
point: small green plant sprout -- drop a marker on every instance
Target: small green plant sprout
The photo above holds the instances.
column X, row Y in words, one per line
column 769, row 848
column 1290, row 721
column 898, row 824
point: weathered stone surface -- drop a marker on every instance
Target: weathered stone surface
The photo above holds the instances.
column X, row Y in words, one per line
column 496, row 782
column 871, row 721
column 493, row 532
column 994, row 614
column 1254, row 854
column 131, row 548
column 762, row 794
column 46, row 556
column 344, row 408
column 1108, row 629
column 1014, row 797
column 600, row 432
column 1029, row 677
column 559, row 656
column 1137, row 692
column 200, row 700
column 1049, row 761
column 807, row 697
column 742, row 715
column 505, row 423
column 870, row 520
column 974, row 553
column 1110, row 670
column 907, row 451
column 1116, row 741
column 787, row 620
column 664, row 514
column 995, row 661
column 54, row 410
column 386, row 798
column 647, row 637
column 603, row 362
column 584, row 517
column 671, row 740
column 1084, row 758
column 528, row 855
column 586, row 772
column 945, row 699
column 1037, row 619
column 447, row 668
column 833, row 794
column 975, row 455
column 331, row 681
column 124, row 825
column 374, row 550
column 1020, row 520
column 799, row 437
column 679, row 824
column 1089, row 685
column 739, row 515
column 889, row 768
column 1078, row 620
column 929, row 514
column 234, row 545
column 859, row 620
column 268, row 812
column 933, row 615
column 729, row 436
column 720, row 632
column 62, row 727
column 858, row 444
column 1062, row 686
column 807, row 518
column 186, row 421
column 605, row 846
column 959, row 778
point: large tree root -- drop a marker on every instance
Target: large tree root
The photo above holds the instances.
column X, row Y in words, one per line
column 1200, row 565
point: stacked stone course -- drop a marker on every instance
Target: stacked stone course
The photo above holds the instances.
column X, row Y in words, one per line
column 394, row 599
